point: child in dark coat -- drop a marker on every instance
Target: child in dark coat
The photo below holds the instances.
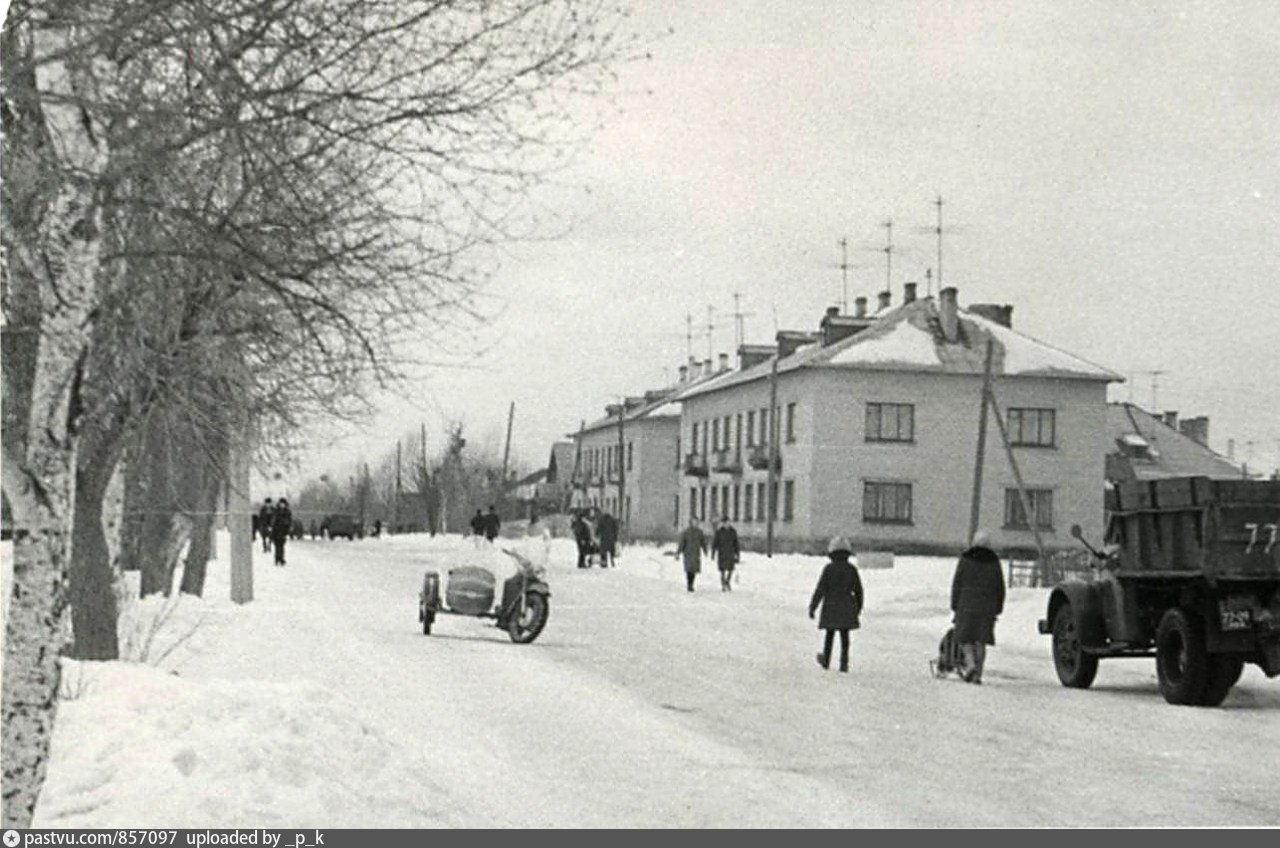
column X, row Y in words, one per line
column 839, row 591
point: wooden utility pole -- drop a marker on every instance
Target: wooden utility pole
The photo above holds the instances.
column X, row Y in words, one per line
column 395, row 503
column 975, row 506
column 771, row 494
column 506, row 451
column 577, row 466
column 622, row 464
column 239, row 521
column 1017, row 479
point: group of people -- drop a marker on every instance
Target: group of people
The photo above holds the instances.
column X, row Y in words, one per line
column 485, row 525
column 977, row 592
column 596, row 534
column 274, row 524
column 724, row 549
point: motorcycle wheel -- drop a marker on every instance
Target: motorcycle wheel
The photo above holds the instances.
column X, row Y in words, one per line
column 526, row 626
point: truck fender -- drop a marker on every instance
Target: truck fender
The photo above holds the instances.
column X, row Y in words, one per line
column 1086, row 603
column 537, row 587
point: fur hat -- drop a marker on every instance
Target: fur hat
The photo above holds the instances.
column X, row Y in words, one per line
column 981, row 539
column 839, row 543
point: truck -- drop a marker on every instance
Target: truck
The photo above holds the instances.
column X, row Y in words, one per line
column 1190, row 574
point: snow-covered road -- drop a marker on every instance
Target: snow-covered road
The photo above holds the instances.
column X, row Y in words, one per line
column 640, row 705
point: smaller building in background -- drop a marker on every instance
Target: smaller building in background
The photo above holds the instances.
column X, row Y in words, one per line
column 1144, row 446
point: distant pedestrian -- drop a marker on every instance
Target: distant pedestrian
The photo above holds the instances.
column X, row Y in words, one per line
column 582, row 537
column 607, row 528
column 266, row 524
column 281, row 526
column 477, row 527
column 692, row 545
column 839, row 591
column 724, row 547
column 977, row 597
column 377, row 527
column 315, row 529
column 492, row 524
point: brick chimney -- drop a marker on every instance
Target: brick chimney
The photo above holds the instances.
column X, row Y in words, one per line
column 909, row 293
column 948, row 315
column 860, row 307
column 884, row 296
column 835, row 326
column 1171, row 419
column 1196, row 429
column 684, row 374
column 724, row 362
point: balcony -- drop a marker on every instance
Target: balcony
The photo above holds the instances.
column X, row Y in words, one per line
column 695, row 465
column 759, row 458
column 728, row 462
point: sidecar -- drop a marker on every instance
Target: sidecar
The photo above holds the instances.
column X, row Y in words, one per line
column 473, row 591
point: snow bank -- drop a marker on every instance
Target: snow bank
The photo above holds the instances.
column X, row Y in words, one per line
column 145, row 745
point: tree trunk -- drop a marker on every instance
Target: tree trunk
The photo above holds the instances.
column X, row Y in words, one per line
column 193, row 570
column 52, row 267
column 92, row 592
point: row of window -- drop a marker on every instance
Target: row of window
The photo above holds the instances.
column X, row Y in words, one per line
column 744, row 502
column 738, row 430
column 890, row 503
column 885, row 422
column 896, row 422
column 610, row 505
column 604, row 460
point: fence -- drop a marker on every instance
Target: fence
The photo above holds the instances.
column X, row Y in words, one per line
column 1026, row 570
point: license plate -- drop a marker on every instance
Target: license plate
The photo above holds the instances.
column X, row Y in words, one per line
column 1233, row 618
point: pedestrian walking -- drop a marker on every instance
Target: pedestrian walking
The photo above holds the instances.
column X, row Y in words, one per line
column 582, row 537
column 839, row 591
column 492, row 524
column 977, row 597
column 281, row 526
column 692, row 545
column 477, row 527
column 725, row 549
column 266, row 524
column 607, row 528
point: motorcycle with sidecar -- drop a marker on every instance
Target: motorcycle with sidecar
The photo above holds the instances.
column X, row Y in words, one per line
column 470, row 590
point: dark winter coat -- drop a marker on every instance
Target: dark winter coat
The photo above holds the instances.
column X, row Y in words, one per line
column 581, row 533
column 264, row 520
column 607, row 529
column 281, row 523
column 477, row 524
column 724, row 547
column 839, row 590
column 978, row 585
column 491, row 526
column 692, row 545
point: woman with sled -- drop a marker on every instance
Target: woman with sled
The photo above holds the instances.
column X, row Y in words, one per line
column 977, row 597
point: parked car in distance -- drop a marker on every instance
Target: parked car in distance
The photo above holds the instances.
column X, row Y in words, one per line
column 338, row 524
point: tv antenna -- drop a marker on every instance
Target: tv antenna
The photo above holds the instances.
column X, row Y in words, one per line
column 938, row 231
column 1155, row 388
column 739, row 333
column 888, row 254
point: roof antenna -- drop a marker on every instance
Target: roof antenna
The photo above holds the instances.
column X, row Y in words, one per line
column 888, row 254
column 739, row 333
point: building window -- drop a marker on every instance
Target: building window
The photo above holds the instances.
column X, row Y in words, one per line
column 751, row 428
column 759, row 501
column 693, row 438
column 706, row 437
column 715, row 502
column 737, row 433
column 788, row 500
column 791, row 422
column 702, row 502
column 693, row 503
column 630, row 454
column 764, row 426
column 1041, row 504
column 676, row 514
column 891, row 422
column 737, row 500
column 715, row 434
column 747, row 514
column 886, row 503
column 724, row 500
column 626, row 511
column 1034, row 427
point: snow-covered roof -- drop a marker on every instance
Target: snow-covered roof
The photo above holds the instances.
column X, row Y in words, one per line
column 665, row 406
column 1169, row 453
column 909, row 338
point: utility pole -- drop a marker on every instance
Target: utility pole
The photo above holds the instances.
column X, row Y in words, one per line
column 506, row 451
column 928, row 282
column 395, row 503
column 771, row 494
column 975, row 505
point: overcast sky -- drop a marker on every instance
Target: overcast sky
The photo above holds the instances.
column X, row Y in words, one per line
column 1111, row 168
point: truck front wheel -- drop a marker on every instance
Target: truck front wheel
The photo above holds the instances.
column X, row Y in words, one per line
column 1182, row 663
column 1075, row 668
column 1224, row 672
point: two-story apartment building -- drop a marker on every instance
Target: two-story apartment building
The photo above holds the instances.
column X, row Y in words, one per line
column 876, row 425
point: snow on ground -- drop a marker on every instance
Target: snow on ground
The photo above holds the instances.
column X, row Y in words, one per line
column 322, row 704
